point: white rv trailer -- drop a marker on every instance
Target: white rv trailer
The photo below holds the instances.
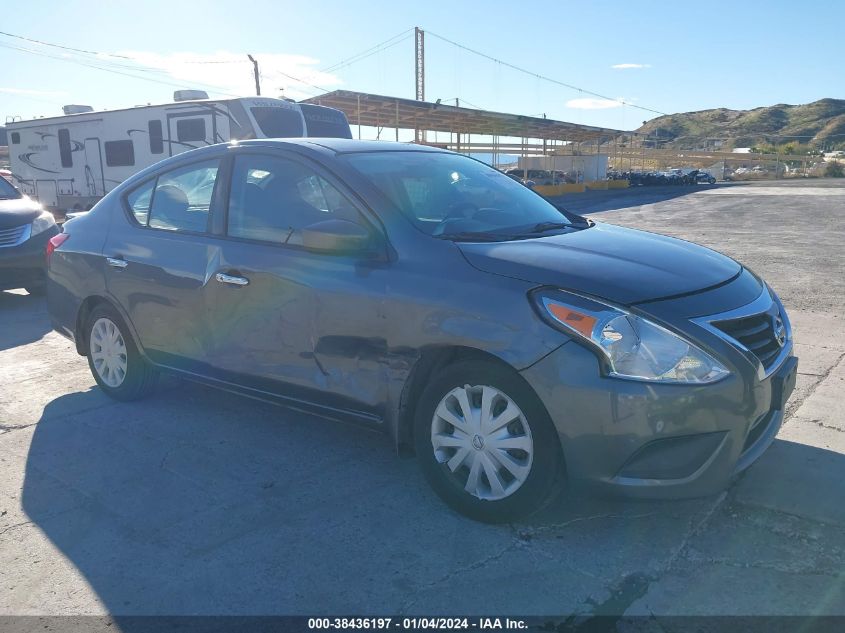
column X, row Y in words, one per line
column 70, row 162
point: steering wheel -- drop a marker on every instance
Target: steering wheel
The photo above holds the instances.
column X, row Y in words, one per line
column 458, row 213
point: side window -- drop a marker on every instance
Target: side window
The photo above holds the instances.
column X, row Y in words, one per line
column 156, row 137
column 16, row 138
column 64, row 148
column 119, row 153
column 182, row 197
column 139, row 201
column 273, row 199
column 188, row 130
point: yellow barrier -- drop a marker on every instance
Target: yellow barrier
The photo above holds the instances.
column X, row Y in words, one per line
column 617, row 184
column 577, row 187
column 550, row 191
column 596, row 185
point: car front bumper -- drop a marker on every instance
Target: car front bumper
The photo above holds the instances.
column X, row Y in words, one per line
column 24, row 265
column 658, row 440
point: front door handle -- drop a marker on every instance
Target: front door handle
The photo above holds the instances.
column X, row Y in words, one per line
column 116, row 262
column 231, row 280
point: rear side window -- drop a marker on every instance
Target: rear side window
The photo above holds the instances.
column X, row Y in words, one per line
column 156, row 137
column 190, row 130
column 64, row 148
column 182, row 198
column 119, row 153
column 139, row 202
column 16, row 138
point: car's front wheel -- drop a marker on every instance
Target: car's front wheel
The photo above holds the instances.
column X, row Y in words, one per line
column 486, row 444
column 117, row 365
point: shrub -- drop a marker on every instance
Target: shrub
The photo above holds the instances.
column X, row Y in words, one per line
column 834, row 169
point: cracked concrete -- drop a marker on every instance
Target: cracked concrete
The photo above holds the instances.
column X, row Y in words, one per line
column 196, row 501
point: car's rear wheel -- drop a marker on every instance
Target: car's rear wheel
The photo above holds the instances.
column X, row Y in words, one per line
column 486, row 444
column 115, row 361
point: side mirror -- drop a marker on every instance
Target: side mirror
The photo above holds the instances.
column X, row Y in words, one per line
column 336, row 236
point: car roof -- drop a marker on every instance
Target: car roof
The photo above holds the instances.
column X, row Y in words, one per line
column 342, row 145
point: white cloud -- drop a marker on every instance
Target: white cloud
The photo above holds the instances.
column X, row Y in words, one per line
column 628, row 66
column 233, row 73
column 33, row 93
column 588, row 103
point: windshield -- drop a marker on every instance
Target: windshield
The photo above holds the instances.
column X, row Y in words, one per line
column 449, row 194
column 275, row 122
column 7, row 190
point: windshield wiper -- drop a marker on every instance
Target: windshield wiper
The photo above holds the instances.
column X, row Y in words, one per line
column 471, row 236
column 542, row 227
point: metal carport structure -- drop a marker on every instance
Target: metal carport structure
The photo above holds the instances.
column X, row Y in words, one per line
column 381, row 112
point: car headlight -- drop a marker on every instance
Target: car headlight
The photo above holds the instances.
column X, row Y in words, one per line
column 632, row 346
column 42, row 223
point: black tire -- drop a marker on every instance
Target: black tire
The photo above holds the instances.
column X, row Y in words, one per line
column 546, row 472
column 140, row 377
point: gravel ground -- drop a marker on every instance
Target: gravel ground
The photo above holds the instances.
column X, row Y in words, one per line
column 200, row 502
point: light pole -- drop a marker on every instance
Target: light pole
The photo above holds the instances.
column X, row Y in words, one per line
column 255, row 71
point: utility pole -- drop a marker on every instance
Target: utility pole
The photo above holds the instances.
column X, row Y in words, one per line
column 255, row 71
column 419, row 59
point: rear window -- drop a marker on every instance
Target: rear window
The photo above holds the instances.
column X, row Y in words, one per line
column 277, row 122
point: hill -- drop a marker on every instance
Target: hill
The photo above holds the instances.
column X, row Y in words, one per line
column 820, row 124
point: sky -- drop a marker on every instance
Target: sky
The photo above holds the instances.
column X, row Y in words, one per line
column 666, row 57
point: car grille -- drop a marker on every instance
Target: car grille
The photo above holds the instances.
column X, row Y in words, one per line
column 13, row 236
column 757, row 334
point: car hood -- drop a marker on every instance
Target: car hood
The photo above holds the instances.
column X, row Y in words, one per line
column 622, row 265
column 18, row 211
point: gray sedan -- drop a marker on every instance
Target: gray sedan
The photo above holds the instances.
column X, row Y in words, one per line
column 512, row 346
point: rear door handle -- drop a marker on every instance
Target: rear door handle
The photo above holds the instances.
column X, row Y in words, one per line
column 116, row 262
column 231, row 280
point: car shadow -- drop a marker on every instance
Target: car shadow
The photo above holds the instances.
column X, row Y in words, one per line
column 26, row 316
column 198, row 502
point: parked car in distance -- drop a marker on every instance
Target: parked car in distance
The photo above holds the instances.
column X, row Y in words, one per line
column 25, row 228
column 705, row 177
column 501, row 339
column 537, row 176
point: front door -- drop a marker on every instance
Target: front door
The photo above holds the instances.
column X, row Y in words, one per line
column 282, row 314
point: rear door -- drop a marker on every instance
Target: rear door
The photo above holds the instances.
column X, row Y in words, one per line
column 303, row 324
column 158, row 256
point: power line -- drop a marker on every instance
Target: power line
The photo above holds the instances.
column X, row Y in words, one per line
column 297, row 79
column 216, row 89
column 67, row 48
column 543, row 77
column 370, row 51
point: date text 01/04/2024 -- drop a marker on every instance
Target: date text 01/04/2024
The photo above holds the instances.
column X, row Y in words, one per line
column 417, row 624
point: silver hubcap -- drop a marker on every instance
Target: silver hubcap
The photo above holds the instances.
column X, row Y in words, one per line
column 482, row 438
column 108, row 352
